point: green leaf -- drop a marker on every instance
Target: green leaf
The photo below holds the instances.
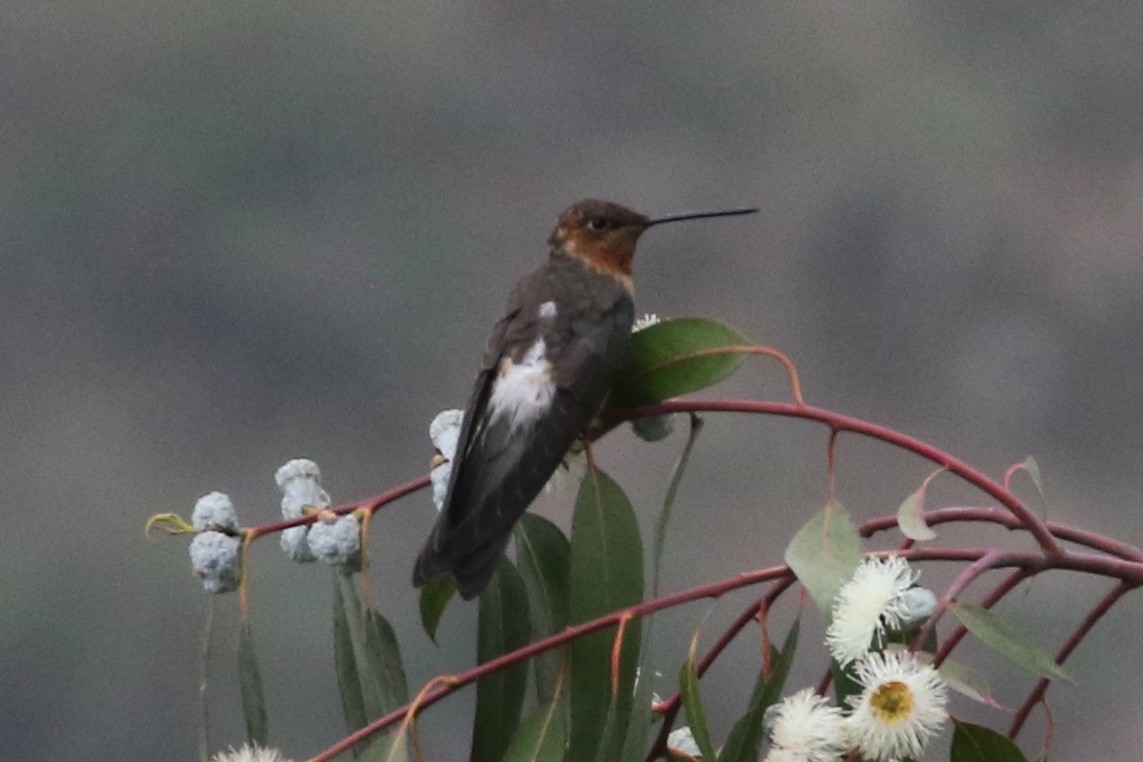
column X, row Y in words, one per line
column 382, row 643
column 845, row 682
column 435, row 595
column 824, row 554
column 967, row 682
column 677, row 357
column 639, row 725
column 345, row 664
column 395, row 748
column 502, row 627
column 911, row 517
column 541, row 737
column 250, row 679
column 367, row 649
column 746, row 735
column 692, row 702
column 974, row 743
column 669, row 502
column 1008, row 641
column 543, row 554
column 606, row 576
column 1032, row 468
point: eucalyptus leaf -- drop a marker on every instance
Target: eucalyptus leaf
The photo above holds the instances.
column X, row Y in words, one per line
column 1032, row 468
column 543, row 553
column 382, row 643
column 1007, row 640
column 911, row 517
column 250, row 679
column 677, row 357
column 746, row 736
column 692, row 702
column 606, row 576
column 975, row 743
column 541, row 737
column 435, row 596
column 502, row 628
column 825, row 553
column 345, row 664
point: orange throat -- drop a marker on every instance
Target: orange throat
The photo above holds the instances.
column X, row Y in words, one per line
column 612, row 258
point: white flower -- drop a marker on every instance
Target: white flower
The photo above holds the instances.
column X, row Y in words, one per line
column 682, row 739
column 806, row 729
column 337, row 541
column 214, row 511
column 917, row 605
column 300, row 482
column 214, row 558
column 646, row 321
column 295, row 545
column 902, row 705
column 249, row 753
column 444, row 432
column 873, row 599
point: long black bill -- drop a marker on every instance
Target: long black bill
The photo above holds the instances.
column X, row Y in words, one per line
column 699, row 215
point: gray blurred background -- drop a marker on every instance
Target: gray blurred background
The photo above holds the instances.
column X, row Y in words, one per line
column 236, row 233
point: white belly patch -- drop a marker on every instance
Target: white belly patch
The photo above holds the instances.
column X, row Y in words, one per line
column 523, row 391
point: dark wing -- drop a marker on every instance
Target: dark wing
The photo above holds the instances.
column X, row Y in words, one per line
column 498, row 470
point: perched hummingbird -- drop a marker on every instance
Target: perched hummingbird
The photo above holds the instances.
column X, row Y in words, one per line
column 546, row 374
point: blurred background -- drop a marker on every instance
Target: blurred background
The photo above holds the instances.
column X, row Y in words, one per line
column 237, row 233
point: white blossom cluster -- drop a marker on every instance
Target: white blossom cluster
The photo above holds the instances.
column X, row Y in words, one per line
column 216, row 550
column 902, row 703
column 335, row 540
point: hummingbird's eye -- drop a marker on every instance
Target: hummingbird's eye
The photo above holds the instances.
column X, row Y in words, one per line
column 598, row 223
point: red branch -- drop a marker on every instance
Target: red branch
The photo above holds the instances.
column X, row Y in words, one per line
column 372, row 505
column 711, row 590
column 838, row 422
column 1115, row 560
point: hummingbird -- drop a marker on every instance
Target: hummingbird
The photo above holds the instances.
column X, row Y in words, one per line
column 546, row 375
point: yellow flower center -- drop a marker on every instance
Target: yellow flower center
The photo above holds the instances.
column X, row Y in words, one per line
column 892, row 703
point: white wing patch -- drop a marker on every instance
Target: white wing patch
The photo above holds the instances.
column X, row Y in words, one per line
column 522, row 392
column 548, row 310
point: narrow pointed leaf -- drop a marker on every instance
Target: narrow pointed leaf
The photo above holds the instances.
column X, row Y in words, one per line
column 974, row 743
column 381, row 681
column 824, row 554
column 502, row 627
column 1032, row 468
column 639, row 725
column 250, row 678
column 606, row 576
column 435, row 596
column 692, row 702
column 669, row 502
column 746, row 736
column 543, row 554
column 1004, row 637
column 391, row 747
column 541, row 737
column 911, row 517
column 382, row 643
column 677, row 357
column 967, row 682
column 348, row 683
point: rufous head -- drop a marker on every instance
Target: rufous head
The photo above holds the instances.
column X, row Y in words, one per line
column 603, row 234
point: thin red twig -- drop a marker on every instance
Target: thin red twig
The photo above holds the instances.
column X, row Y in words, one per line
column 836, row 421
